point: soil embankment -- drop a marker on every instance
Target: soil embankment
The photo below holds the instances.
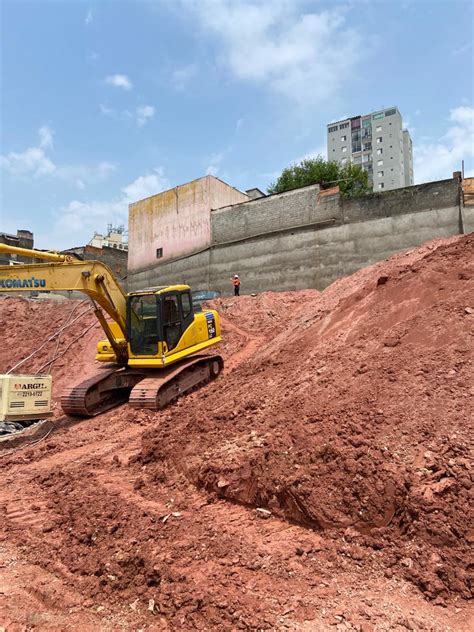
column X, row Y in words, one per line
column 324, row 480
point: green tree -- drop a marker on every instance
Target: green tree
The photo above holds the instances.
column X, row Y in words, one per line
column 352, row 179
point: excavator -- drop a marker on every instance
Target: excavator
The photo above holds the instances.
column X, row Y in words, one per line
column 154, row 338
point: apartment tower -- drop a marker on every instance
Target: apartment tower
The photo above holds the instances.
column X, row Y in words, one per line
column 378, row 143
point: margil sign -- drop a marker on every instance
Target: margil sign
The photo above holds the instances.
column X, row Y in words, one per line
column 29, row 386
column 20, row 283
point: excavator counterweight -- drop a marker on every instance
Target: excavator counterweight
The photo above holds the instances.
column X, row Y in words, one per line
column 153, row 335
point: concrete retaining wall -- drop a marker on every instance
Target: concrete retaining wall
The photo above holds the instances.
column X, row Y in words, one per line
column 193, row 270
column 303, row 239
column 273, row 213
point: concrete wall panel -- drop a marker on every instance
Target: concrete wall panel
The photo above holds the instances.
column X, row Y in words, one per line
column 192, row 270
column 276, row 212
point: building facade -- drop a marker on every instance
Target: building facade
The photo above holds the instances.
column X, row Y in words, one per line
column 22, row 239
column 176, row 223
column 115, row 238
column 114, row 258
column 378, row 143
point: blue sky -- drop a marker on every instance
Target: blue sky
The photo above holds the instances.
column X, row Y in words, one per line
column 104, row 103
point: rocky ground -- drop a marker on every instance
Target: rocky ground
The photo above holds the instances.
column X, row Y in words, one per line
column 322, row 482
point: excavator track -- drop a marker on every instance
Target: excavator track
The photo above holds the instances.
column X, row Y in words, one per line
column 142, row 389
column 166, row 385
column 103, row 391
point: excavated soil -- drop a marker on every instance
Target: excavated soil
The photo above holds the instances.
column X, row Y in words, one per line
column 323, row 481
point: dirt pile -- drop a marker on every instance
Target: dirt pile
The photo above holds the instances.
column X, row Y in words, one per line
column 248, row 321
column 65, row 332
column 266, row 312
column 357, row 417
column 321, row 481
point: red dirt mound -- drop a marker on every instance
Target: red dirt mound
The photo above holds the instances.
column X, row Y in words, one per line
column 356, row 416
column 65, row 332
column 343, row 416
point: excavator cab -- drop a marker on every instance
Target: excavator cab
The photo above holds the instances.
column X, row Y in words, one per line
column 161, row 324
column 156, row 322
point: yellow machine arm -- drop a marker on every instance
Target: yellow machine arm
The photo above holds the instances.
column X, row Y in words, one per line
column 64, row 273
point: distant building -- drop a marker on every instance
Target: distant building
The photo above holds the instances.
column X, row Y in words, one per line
column 114, row 238
column 115, row 258
column 378, row 143
column 22, row 239
column 255, row 193
column 176, row 223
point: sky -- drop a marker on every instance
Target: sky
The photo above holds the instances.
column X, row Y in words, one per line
column 104, row 103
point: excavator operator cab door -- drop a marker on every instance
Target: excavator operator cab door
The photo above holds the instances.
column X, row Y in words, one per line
column 177, row 315
column 143, row 324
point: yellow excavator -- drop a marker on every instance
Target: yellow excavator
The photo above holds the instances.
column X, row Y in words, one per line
column 153, row 335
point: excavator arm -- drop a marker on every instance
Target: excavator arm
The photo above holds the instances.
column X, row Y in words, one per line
column 61, row 272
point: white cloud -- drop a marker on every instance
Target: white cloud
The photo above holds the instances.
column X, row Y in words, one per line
column 215, row 164
column 106, row 110
column 141, row 115
column 181, row 76
column 320, row 150
column 307, row 57
column 85, row 217
column 104, row 168
column 144, row 186
column 46, row 137
column 408, row 125
column 89, row 17
column 437, row 160
column 82, row 174
column 34, row 162
column 144, row 113
column 460, row 50
column 119, row 81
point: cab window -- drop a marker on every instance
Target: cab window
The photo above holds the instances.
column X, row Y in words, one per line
column 186, row 304
column 171, row 320
column 143, row 324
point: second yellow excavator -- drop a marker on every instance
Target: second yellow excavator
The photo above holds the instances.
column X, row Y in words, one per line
column 153, row 335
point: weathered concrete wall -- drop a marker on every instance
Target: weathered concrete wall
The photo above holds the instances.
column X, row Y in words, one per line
column 113, row 257
column 305, row 239
column 300, row 207
column 176, row 221
column 315, row 258
column 429, row 196
column 468, row 205
column 193, row 270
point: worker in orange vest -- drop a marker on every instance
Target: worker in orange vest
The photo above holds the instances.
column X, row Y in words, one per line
column 236, row 283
